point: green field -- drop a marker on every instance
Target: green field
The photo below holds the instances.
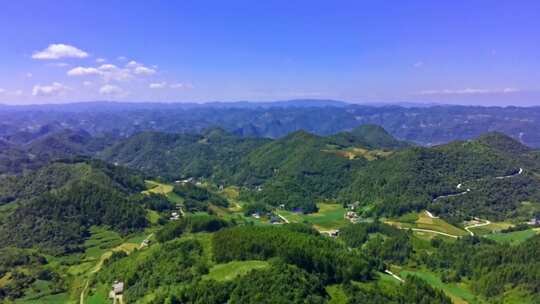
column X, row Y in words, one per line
column 515, row 237
column 459, row 293
column 229, row 271
column 329, row 216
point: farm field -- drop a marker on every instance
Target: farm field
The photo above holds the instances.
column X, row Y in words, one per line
column 424, row 221
column 515, row 237
column 329, row 216
column 491, row 228
column 165, row 189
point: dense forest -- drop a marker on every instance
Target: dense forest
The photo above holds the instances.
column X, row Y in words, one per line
column 58, row 203
column 215, row 217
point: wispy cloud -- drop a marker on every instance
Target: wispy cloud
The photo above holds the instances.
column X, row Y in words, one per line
column 418, row 64
column 112, row 91
column 111, row 72
column 163, row 85
column 82, row 71
column 54, row 89
column 57, row 51
column 58, row 64
column 158, row 85
column 468, row 91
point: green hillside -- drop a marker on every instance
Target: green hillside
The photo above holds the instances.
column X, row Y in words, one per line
column 58, row 203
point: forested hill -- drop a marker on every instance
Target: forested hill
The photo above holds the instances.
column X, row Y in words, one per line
column 219, row 155
column 366, row 165
column 420, row 178
column 214, row 153
column 58, row 203
column 369, row 136
column 30, row 152
column 424, row 125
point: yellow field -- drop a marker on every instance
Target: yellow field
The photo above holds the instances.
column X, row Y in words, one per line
column 159, row 188
column 424, row 221
column 437, row 224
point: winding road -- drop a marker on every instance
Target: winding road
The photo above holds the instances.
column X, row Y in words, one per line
column 476, row 225
column 467, row 228
column 520, row 171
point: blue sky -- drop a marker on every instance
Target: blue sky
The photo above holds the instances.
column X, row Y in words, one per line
column 468, row 52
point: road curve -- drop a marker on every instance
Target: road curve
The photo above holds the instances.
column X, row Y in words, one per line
column 476, row 225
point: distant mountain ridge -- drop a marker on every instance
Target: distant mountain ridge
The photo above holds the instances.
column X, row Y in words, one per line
column 424, row 125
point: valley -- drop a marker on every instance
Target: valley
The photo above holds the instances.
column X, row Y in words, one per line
column 154, row 214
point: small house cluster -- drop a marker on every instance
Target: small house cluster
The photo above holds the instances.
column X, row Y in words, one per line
column 175, row 215
column 351, row 214
column 117, row 291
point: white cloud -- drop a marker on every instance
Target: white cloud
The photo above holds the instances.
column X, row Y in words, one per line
column 469, row 91
column 111, row 72
column 17, row 93
column 57, row 51
column 100, row 60
column 2, row 91
column 54, row 89
column 87, row 83
column 58, row 64
column 82, row 71
column 142, row 70
column 112, row 90
column 121, row 58
column 418, row 64
column 107, row 67
column 133, row 64
column 29, row 75
column 181, row 86
column 159, row 85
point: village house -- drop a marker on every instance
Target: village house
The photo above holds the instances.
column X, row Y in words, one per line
column 351, row 216
column 117, row 291
column 174, row 216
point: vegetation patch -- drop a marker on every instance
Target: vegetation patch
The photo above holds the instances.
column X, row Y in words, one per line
column 458, row 292
column 232, row 270
column 329, row 216
column 515, row 237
